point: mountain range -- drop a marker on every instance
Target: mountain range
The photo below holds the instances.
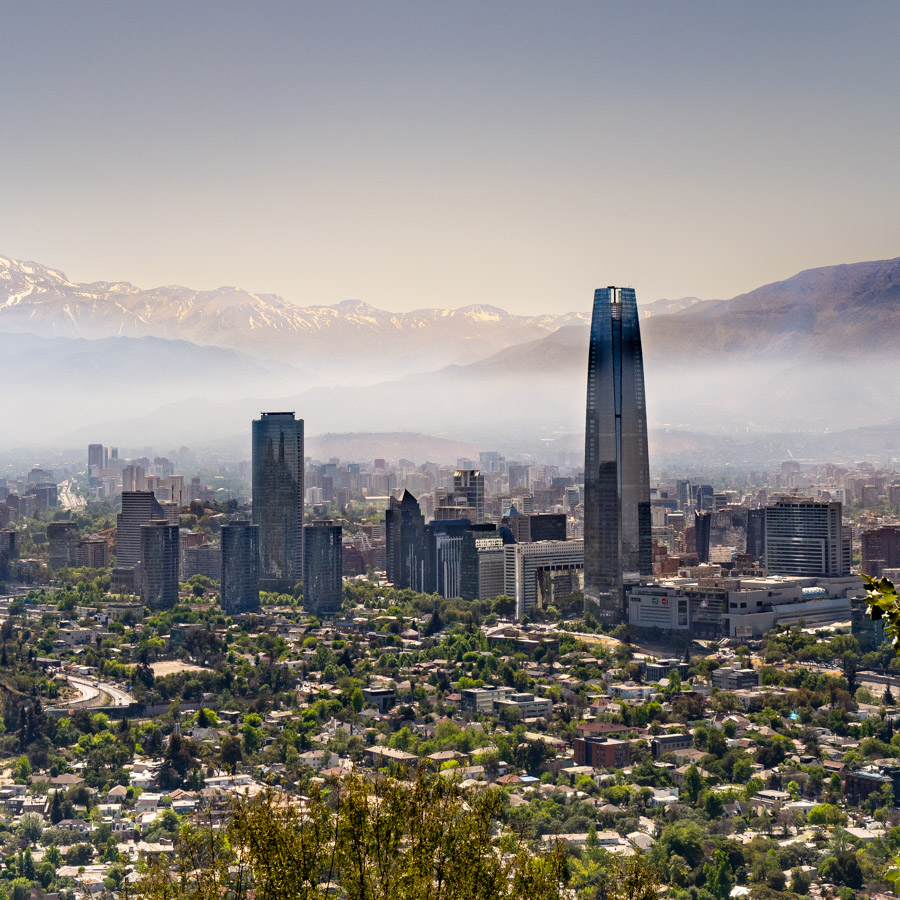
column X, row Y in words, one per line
column 349, row 338
column 117, row 363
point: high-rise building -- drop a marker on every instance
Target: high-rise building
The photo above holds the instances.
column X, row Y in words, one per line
column 444, row 559
column 536, row 527
column 63, row 539
column 404, row 532
column 322, row 568
column 134, row 478
column 617, row 526
column 97, row 456
column 138, row 508
column 806, row 537
column 240, row 567
column 278, row 495
column 756, row 532
column 159, row 564
column 880, row 550
column 702, row 533
column 481, row 563
column 468, row 487
column 531, row 569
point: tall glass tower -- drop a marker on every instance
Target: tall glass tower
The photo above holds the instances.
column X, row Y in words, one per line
column 278, row 496
column 617, row 536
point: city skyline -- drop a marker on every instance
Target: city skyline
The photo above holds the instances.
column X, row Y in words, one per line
column 353, row 152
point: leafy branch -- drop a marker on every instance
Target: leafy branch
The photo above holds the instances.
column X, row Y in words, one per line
column 883, row 603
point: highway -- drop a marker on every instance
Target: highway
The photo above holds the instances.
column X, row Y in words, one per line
column 96, row 693
column 68, row 500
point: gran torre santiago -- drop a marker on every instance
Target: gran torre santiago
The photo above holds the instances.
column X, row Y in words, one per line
column 617, row 534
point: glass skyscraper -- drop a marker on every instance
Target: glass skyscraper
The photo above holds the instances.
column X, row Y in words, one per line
column 617, row 535
column 278, row 496
column 239, row 589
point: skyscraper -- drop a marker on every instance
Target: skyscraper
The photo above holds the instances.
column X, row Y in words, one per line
column 404, row 532
column 240, row 567
column 468, row 488
column 323, row 559
column 138, row 508
column 160, row 552
column 278, row 495
column 806, row 537
column 617, row 526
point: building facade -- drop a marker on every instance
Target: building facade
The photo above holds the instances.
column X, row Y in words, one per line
column 138, row 508
column 617, row 524
column 468, row 488
column 323, row 564
column 240, row 567
column 63, row 539
column 528, row 569
column 806, row 537
column 405, row 551
column 880, row 550
column 277, row 485
column 159, row 564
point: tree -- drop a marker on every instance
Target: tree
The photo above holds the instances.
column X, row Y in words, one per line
column 30, row 827
column 231, row 752
column 632, row 878
column 719, row 878
column 22, row 770
column 849, row 667
column 826, row 814
column 429, row 840
column 56, row 812
column 693, row 783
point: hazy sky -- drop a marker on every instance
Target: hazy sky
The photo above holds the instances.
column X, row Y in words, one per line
column 439, row 154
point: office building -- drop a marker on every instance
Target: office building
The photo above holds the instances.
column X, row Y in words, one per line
column 278, row 496
column 92, row 552
column 138, row 508
column 727, row 678
column 530, row 571
column 405, row 550
column 63, row 539
column 468, row 488
column 702, row 529
column 134, row 478
column 482, row 563
column 97, row 456
column 617, row 535
column 444, row 546
column 756, row 533
column 537, row 527
column 159, row 564
column 880, row 550
column 322, row 568
column 240, row 567
column 806, row 537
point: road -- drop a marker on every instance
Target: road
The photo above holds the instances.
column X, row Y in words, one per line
column 68, row 500
column 96, row 693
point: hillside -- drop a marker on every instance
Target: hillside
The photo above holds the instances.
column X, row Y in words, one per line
column 841, row 310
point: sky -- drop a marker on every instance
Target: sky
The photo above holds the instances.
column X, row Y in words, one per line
column 424, row 154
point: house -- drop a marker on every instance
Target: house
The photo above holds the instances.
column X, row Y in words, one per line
column 147, row 802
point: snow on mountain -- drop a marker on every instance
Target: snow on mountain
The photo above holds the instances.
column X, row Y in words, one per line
column 351, row 336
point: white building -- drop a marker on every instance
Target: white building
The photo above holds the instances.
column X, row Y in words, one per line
column 529, row 568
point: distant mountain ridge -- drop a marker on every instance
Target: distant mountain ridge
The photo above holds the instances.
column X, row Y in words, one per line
column 843, row 310
column 350, row 335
